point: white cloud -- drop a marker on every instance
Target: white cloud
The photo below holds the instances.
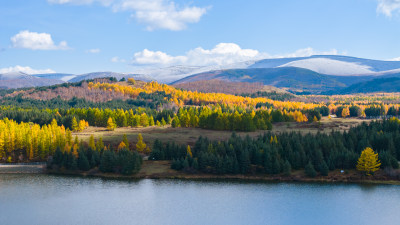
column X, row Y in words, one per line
column 387, row 7
column 161, row 14
column 25, row 69
column 155, row 14
column 81, row 2
column 94, row 51
column 395, row 59
column 116, row 59
column 221, row 54
column 36, row 41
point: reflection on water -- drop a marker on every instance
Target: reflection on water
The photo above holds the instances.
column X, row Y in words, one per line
column 43, row 199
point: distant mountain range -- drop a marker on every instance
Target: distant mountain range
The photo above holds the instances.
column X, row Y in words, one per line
column 314, row 74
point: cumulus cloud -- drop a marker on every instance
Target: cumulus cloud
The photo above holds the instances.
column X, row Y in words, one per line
column 36, row 41
column 388, row 7
column 25, row 69
column 93, row 51
column 154, row 14
column 221, row 54
column 161, row 14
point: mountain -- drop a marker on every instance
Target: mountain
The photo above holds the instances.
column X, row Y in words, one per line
column 313, row 74
column 389, row 84
column 292, row 78
column 14, row 75
column 21, row 80
column 173, row 73
column 56, row 76
column 325, row 62
column 119, row 76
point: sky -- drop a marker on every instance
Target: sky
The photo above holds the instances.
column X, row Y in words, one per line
column 81, row 36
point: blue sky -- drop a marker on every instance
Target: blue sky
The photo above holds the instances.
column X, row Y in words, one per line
column 79, row 36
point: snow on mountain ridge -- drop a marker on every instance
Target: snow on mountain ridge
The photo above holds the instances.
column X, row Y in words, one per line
column 330, row 66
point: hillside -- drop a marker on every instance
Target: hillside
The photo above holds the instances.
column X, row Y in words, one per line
column 295, row 79
column 391, row 84
column 227, row 87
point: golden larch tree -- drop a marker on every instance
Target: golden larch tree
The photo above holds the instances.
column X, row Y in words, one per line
column 140, row 145
column 368, row 161
column 345, row 112
column 110, row 124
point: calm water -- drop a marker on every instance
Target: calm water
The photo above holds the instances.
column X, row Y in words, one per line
column 42, row 199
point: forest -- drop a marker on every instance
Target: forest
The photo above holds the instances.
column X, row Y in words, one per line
column 43, row 124
column 282, row 153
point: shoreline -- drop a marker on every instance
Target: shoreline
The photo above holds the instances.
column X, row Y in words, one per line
column 212, row 177
column 161, row 170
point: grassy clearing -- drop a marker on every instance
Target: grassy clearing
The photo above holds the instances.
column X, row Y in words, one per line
column 190, row 135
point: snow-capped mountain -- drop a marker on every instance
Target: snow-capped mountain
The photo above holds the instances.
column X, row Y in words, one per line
column 330, row 66
column 173, row 73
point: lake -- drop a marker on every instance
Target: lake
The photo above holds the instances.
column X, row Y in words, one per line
column 46, row 199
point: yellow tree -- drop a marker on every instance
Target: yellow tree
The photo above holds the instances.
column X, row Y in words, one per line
column 368, row 161
column 345, row 112
column 148, row 151
column 125, row 140
column 189, row 151
column 82, row 125
column 121, row 145
column 74, row 125
column 110, row 124
column 140, row 145
column 91, row 142
column 2, row 152
column 131, row 81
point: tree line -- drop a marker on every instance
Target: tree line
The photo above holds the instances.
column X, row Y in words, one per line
column 275, row 154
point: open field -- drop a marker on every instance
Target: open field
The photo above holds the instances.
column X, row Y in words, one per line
column 190, row 135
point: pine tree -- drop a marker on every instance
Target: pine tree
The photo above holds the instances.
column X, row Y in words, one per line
column 163, row 123
column 310, row 171
column 83, row 163
column 287, row 168
column 175, row 122
column 140, row 145
column 91, row 142
column 368, row 161
column 110, row 124
column 107, row 162
column 100, row 145
column 324, row 169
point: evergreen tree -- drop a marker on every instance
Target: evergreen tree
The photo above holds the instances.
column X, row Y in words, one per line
column 287, row 168
column 83, row 163
column 91, row 142
column 324, row 169
column 309, row 170
column 107, row 162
